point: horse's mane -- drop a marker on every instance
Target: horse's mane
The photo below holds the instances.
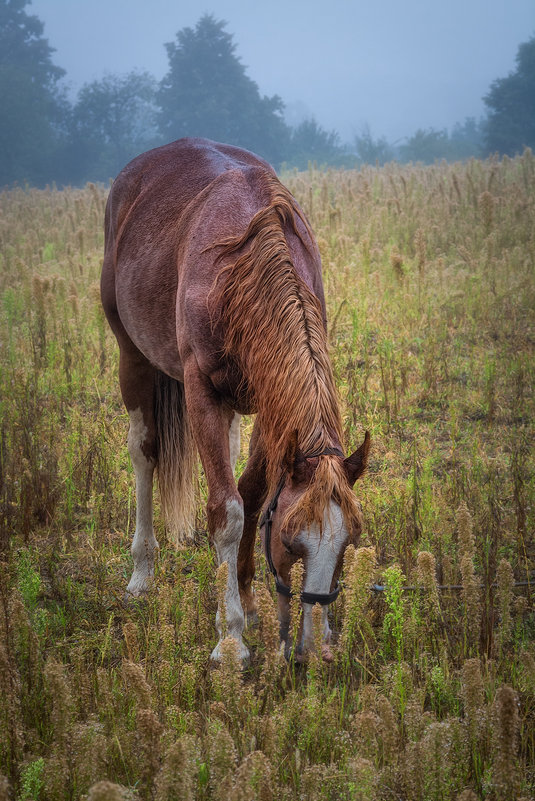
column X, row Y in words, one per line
column 274, row 328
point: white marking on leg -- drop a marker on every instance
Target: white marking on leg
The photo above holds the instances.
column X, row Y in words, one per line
column 144, row 544
column 226, row 541
column 321, row 559
column 234, row 440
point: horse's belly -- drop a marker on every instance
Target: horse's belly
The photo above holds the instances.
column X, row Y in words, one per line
column 146, row 307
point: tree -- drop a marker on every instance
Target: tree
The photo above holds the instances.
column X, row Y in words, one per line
column 312, row 143
column 208, row 93
column 32, row 104
column 370, row 150
column 467, row 139
column 114, row 119
column 511, row 104
column 426, row 146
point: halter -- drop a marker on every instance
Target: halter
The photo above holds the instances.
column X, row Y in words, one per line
column 322, row 598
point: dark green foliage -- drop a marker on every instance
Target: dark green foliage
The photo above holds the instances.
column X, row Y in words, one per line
column 310, row 142
column 114, row 119
column 32, row 104
column 467, row 139
column 427, row 146
column 208, row 93
column 511, row 104
column 372, row 151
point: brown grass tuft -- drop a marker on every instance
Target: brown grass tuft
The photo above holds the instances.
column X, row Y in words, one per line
column 505, row 740
column 107, row 791
column 136, row 684
column 177, row 779
column 505, row 580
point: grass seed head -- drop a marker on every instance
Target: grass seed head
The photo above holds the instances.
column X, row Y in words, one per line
column 297, row 573
column 222, row 757
column 486, row 208
column 505, row 738
column 149, row 730
column 136, row 684
column 177, row 779
column 61, row 696
column 107, row 791
column 227, row 678
column 254, row 779
column 473, row 695
column 505, row 580
column 388, row 728
column 467, row 795
column 427, row 578
column 131, row 640
column 466, row 531
column 269, row 624
column 472, row 605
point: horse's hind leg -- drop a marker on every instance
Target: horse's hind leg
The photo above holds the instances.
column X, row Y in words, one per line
column 137, row 379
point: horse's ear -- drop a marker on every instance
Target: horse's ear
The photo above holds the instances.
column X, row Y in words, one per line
column 356, row 464
column 291, row 453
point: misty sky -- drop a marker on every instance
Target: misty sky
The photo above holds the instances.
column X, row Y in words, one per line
column 396, row 65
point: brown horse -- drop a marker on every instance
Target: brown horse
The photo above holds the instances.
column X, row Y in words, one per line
column 212, row 286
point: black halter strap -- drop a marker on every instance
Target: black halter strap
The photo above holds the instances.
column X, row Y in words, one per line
column 267, row 521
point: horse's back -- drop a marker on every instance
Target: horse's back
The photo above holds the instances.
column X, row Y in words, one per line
column 166, row 179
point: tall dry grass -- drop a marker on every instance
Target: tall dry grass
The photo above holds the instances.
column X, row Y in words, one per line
column 429, row 276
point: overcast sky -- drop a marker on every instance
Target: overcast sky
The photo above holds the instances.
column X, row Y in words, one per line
column 396, row 65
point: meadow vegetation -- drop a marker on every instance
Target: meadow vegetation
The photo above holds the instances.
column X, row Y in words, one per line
column 430, row 282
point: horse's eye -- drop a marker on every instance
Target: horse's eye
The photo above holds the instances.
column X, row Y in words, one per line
column 289, row 549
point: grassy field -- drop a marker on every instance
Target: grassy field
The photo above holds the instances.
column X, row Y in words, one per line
column 430, row 281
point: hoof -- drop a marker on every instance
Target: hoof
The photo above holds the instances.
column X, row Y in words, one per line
column 243, row 653
column 137, row 593
column 140, row 585
column 300, row 654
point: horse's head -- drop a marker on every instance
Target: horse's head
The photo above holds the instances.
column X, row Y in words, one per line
column 313, row 516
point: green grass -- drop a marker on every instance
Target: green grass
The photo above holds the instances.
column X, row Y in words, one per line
column 430, row 285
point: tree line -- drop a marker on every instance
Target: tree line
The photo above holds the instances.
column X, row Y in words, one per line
column 47, row 137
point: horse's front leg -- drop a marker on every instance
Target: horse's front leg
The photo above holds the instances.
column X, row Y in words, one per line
column 252, row 488
column 211, row 420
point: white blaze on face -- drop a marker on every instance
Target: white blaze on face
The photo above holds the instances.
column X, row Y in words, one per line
column 321, row 559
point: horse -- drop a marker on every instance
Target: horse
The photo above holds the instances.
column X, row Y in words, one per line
column 211, row 283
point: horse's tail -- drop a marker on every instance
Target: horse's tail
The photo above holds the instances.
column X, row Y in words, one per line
column 177, row 459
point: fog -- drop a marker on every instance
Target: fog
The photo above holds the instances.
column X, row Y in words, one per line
column 393, row 66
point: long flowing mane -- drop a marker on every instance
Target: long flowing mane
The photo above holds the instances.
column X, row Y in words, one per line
column 274, row 327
